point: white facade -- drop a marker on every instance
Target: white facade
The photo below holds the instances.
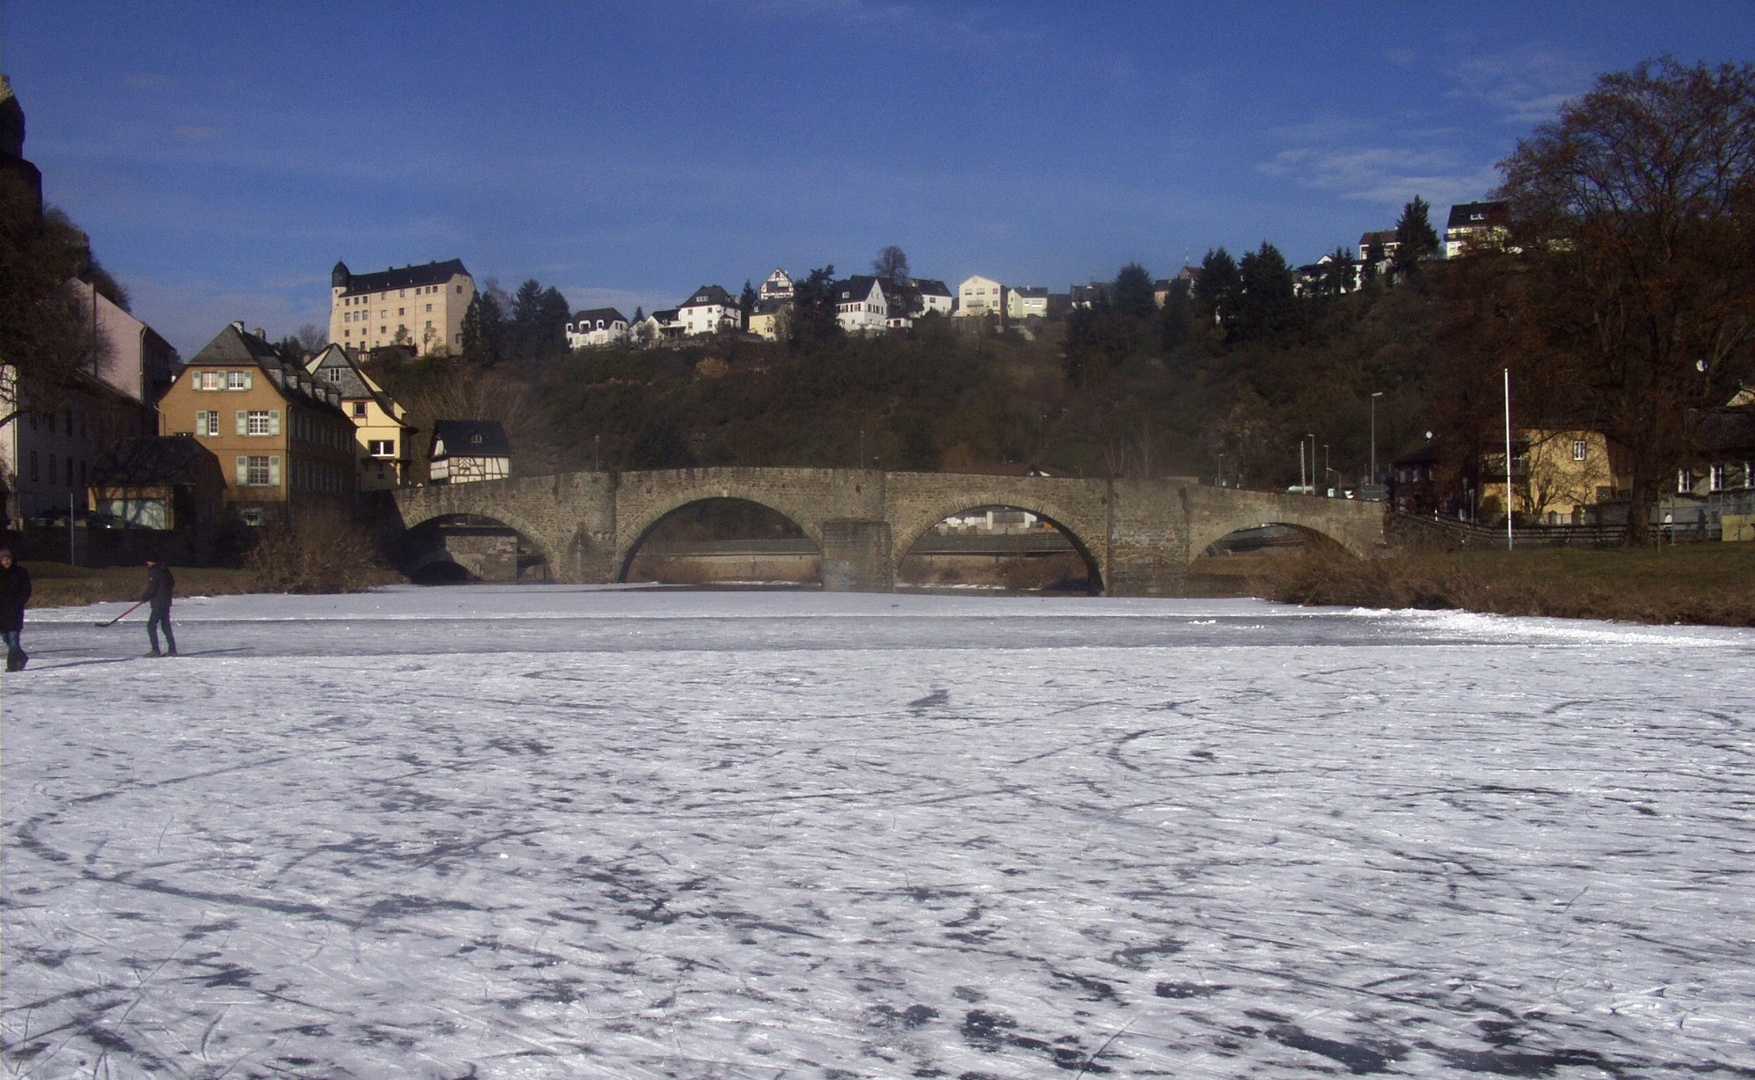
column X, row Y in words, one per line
column 778, row 286
column 935, row 297
column 980, row 296
column 860, row 306
column 710, row 310
column 597, row 328
column 1023, row 302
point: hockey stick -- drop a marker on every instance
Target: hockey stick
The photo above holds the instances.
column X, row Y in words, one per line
column 120, row 617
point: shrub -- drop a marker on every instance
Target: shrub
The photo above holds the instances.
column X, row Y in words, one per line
column 322, row 551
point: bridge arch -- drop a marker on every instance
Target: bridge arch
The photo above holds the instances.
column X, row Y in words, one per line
column 424, row 547
column 905, row 535
column 654, row 514
column 1209, row 529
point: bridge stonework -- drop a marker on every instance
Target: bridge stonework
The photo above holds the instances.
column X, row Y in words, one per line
column 1139, row 536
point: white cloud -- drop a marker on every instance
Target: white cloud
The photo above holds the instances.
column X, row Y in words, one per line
column 1526, row 85
column 1387, row 175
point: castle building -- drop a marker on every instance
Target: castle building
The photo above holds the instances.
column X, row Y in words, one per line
column 418, row 306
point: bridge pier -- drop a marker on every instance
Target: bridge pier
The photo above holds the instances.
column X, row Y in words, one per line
column 856, row 556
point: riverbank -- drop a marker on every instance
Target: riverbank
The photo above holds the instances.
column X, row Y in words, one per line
column 1691, row 584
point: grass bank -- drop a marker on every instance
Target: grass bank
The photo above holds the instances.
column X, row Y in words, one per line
column 1699, row 584
column 60, row 585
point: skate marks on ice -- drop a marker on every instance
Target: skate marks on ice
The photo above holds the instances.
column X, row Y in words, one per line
column 1281, row 862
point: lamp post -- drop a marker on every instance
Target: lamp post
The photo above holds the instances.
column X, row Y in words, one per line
column 1325, row 469
column 1374, row 398
column 1221, row 468
column 1311, row 490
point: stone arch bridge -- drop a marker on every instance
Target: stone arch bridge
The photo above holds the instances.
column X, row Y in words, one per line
column 1139, row 536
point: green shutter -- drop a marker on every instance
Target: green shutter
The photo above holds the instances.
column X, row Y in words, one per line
column 243, row 470
column 274, row 421
column 249, row 380
column 274, row 470
column 201, row 421
column 243, row 422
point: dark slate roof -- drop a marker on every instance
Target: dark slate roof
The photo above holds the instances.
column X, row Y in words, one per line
column 1031, row 291
column 1729, row 431
column 459, row 438
column 1463, row 215
column 771, row 305
column 607, row 314
column 932, row 287
column 160, row 459
column 405, row 277
column 857, row 287
column 352, row 384
column 666, row 316
column 236, row 347
column 708, row 294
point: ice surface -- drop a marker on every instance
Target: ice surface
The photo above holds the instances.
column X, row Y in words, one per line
column 558, row 831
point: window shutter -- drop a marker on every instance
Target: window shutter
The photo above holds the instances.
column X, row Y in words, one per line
column 201, row 422
column 249, row 381
column 274, row 470
column 243, row 470
column 274, row 421
column 243, row 422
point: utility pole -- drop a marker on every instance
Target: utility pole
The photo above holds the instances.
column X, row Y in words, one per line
column 1510, row 541
column 1374, row 398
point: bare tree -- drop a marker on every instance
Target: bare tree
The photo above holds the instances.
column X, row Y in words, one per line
column 1635, row 210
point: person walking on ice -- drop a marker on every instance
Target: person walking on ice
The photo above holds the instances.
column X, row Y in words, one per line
column 14, row 593
column 159, row 585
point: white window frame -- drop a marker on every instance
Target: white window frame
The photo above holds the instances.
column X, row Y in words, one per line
column 1579, row 449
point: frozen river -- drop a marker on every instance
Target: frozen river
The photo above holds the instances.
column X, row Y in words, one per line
column 557, row 832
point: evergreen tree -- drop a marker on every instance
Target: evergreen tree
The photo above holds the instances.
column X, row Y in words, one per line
column 1133, row 292
column 1415, row 239
column 484, row 329
column 1175, row 322
column 746, row 305
column 1265, row 306
column 1218, row 287
column 814, row 315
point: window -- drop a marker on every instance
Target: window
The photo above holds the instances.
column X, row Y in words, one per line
column 207, row 422
column 253, row 516
column 1684, row 481
column 359, row 408
column 237, row 380
column 429, row 308
column 381, row 448
column 1578, row 449
column 259, row 470
column 401, row 311
column 334, row 374
column 259, row 422
column 347, row 333
column 1716, row 478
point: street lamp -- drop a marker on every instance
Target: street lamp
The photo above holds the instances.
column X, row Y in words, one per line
column 1374, row 398
column 1311, row 490
column 1221, row 468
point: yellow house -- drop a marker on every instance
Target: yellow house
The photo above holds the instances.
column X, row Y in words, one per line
column 281, row 437
column 420, row 306
column 1557, row 474
column 382, row 434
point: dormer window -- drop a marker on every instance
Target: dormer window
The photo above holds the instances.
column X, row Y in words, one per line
column 476, row 438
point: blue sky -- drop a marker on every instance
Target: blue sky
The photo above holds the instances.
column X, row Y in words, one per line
column 223, row 156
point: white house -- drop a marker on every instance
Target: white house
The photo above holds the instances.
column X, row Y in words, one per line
column 860, row 305
column 596, row 328
column 777, row 287
column 710, row 310
column 463, row 451
column 1473, row 221
column 659, row 326
column 1023, row 301
column 980, row 296
column 935, row 296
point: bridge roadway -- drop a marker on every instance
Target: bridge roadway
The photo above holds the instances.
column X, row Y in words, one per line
column 1138, row 536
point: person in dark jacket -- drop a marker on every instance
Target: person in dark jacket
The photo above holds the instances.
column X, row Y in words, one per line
column 159, row 585
column 14, row 593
